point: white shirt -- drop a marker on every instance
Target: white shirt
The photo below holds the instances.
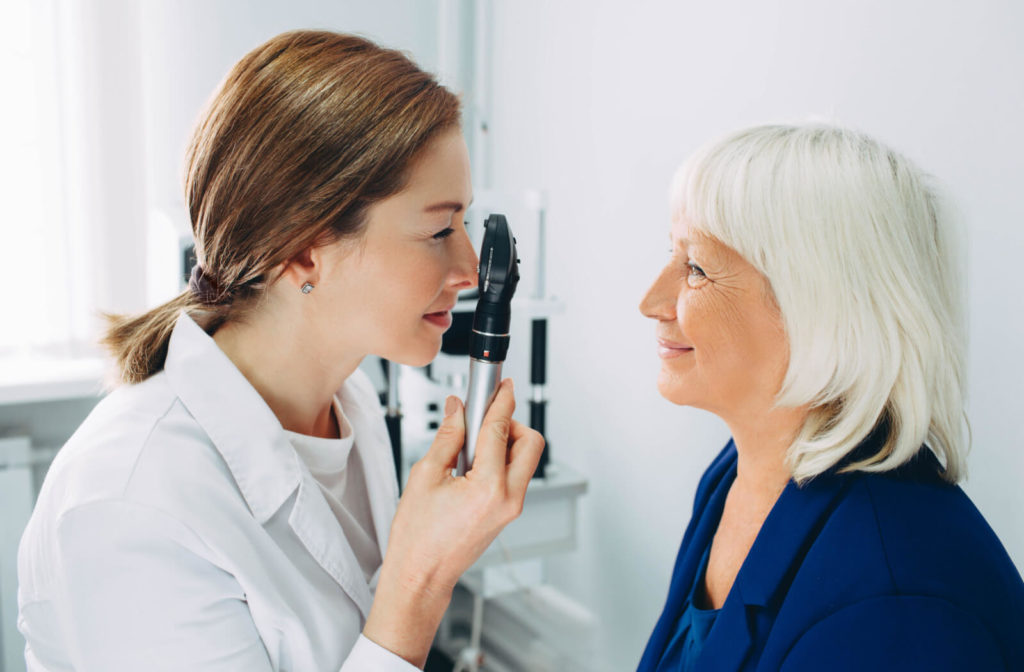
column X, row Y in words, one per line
column 179, row 530
column 339, row 472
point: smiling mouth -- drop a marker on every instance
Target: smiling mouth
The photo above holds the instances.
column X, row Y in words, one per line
column 442, row 318
column 668, row 349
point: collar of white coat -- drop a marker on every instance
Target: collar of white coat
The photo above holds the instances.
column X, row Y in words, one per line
column 235, row 417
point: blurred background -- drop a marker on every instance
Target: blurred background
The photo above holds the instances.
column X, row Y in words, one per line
column 582, row 109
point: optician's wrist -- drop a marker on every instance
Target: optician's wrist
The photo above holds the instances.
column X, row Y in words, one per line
column 406, row 614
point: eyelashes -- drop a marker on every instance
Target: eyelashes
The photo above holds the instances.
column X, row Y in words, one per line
column 696, row 277
column 444, row 233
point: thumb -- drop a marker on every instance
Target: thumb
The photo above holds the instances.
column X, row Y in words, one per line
column 444, row 451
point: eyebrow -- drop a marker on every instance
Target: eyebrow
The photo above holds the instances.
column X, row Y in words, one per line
column 685, row 242
column 709, row 249
column 454, row 206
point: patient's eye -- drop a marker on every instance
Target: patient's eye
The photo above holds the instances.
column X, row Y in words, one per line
column 696, row 276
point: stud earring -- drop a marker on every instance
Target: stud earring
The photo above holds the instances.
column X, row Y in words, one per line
column 307, row 288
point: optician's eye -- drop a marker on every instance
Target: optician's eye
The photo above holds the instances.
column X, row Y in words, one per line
column 441, row 235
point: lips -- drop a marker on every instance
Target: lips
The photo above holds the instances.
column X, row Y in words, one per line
column 441, row 318
column 669, row 349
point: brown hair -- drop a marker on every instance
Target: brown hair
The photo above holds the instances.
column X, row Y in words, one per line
column 303, row 135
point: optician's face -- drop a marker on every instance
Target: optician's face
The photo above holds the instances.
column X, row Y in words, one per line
column 393, row 288
column 719, row 334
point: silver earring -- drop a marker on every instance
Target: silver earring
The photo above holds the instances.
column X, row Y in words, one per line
column 307, row 288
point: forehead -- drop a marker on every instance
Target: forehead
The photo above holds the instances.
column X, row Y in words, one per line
column 683, row 233
column 442, row 166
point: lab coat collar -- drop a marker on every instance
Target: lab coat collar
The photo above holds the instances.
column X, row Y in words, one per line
column 263, row 461
column 236, row 418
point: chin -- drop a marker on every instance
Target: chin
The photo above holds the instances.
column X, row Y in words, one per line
column 675, row 391
column 419, row 360
column 418, row 355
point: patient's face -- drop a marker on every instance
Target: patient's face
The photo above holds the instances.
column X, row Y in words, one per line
column 721, row 341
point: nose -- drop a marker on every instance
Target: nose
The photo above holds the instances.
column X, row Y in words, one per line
column 659, row 303
column 464, row 271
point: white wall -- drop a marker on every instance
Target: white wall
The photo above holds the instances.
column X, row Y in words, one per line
column 598, row 102
column 189, row 45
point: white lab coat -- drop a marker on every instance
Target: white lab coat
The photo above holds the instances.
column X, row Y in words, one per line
column 178, row 530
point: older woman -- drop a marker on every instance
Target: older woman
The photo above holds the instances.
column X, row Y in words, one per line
column 812, row 301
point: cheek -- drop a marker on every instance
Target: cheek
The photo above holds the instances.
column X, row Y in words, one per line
column 704, row 319
column 406, row 283
column 720, row 331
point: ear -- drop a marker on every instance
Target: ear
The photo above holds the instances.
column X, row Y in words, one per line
column 304, row 267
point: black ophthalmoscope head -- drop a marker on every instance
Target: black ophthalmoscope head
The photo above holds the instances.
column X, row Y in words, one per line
column 498, row 277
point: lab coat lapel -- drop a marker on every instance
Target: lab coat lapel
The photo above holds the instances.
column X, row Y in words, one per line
column 764, row 578
column 374, row 448
column 234, row 416
column 312, row 518
column 319, row 531
column 257, row 451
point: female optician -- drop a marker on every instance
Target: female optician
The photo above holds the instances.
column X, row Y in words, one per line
column 812, row 302
column 233, row 506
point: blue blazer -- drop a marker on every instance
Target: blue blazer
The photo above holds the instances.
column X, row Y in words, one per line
column 893, row 571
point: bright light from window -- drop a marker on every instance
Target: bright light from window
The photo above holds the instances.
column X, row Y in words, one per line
column 34, row 296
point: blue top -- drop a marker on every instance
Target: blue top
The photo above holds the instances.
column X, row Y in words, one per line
column 858, row 571
column 692, row 628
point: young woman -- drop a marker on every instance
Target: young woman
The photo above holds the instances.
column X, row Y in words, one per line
column 232, row 506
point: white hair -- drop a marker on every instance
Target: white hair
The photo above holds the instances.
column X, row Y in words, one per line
column 858, row 250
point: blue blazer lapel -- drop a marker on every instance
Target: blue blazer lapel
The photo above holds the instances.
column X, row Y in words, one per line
column 707, row 511
column 769, row 568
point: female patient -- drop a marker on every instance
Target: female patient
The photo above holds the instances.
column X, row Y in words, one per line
column 233, row 506
column 812, row 302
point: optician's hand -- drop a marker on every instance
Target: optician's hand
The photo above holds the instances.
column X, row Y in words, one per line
column 444, row 523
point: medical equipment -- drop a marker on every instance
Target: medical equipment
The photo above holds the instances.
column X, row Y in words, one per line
column 489, row 338
column 415, row 396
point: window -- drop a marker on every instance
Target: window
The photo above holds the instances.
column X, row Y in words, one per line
column 34, row 275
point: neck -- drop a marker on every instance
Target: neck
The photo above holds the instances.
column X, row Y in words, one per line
column 290, row 369
column 762, row 440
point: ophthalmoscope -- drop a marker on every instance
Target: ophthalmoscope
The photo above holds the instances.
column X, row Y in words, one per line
column 488, row 341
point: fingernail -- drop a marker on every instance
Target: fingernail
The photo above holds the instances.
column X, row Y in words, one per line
column 450, row 404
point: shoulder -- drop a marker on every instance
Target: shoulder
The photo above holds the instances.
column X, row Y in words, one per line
column 905, row 632
column 917, row 545
column 927, row 535
column 97, row 461
column 936, row 541
column 139, row 472
column 139, row 444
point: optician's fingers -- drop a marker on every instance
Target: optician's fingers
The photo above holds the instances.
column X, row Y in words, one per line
column 524, row 454
column 492, row 444
column 444, row 451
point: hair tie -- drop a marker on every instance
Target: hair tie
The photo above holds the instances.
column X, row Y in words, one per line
column 202, row 288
